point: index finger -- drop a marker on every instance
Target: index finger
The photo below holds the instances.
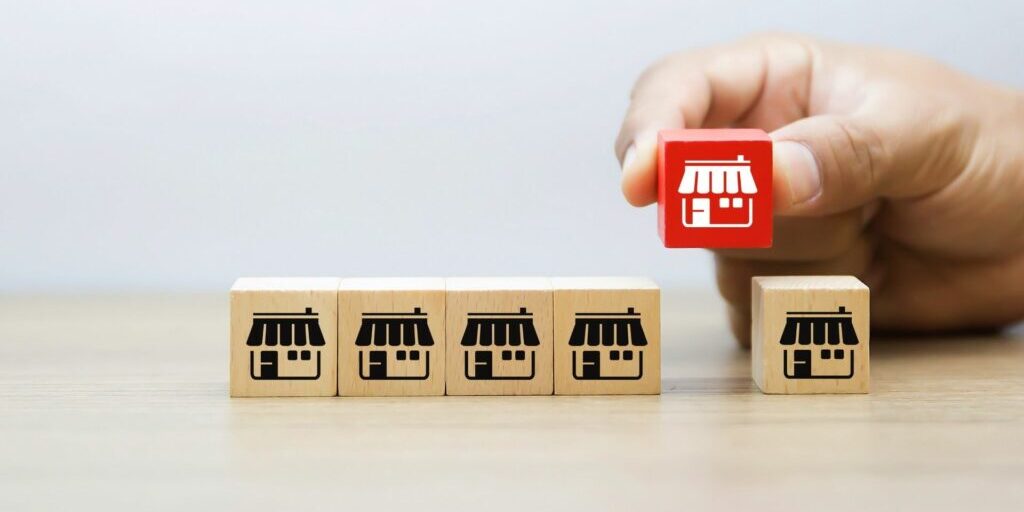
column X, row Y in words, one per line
column 762, row 82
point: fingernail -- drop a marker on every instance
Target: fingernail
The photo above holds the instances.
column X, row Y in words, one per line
column 628, row 157
column 799, row 169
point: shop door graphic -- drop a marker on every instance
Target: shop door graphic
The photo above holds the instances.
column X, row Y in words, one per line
column 483, row 362
column 268, row 364
column 378, row 364
column 802, row 364
column 591, row 364
column 701, row 214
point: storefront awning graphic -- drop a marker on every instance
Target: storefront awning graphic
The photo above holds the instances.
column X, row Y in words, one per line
column 608, row 329
column 394, row 329
column 717, row 177
column 819, row 328
column 285, row 329
column 500, row 329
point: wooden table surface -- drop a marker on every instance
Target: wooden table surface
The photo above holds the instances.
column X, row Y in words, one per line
column 121, row 401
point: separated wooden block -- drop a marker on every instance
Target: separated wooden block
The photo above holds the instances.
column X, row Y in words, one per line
column 391, row 337
column 810, row 334
column 499, row 336
column 607, row 336
column 284, row 335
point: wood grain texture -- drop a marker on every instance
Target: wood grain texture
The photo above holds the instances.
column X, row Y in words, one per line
column 407, row 370
column 121, row 402
column 819, row 358
column 497, row 316
column 291, row 370
column 598, row 312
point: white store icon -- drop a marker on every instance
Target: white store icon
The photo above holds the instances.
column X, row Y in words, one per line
column 719, row 187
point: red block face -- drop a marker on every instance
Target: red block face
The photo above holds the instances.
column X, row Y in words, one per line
column 715, row 188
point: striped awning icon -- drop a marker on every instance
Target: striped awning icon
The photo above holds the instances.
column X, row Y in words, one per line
column 394, row 329
column 500, row 329
column 608, row 329
column 285, row 329
column 717, row 177
column 819, row 328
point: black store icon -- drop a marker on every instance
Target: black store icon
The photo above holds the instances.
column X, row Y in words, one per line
column 500, row 346
column 288, row 346
column 608, row 346
column 820, row 344
column 394, row 346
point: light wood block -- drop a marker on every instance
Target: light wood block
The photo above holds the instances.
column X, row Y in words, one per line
column 391, row 337
column 499, row 336
column 284, row 335
column 607, row 336
column 810, row 334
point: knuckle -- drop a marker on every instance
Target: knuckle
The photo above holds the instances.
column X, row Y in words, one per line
column 858, row 147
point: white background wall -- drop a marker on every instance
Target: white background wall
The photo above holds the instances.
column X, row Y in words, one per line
column 177, row 145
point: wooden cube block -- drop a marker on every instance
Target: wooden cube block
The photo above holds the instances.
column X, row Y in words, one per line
column 607, row 336
column 715, row 188
column 811, row 334
column 391, row 338
column 284, row 334
column 499, row 336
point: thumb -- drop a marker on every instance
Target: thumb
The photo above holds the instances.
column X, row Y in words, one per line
column 830, row 164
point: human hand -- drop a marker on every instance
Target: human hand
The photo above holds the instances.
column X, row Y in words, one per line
column 887, row 166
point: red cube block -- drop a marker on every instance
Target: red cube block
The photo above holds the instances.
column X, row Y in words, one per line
column 715, row 188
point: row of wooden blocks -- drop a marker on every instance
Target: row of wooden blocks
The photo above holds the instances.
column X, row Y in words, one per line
column 455, row 336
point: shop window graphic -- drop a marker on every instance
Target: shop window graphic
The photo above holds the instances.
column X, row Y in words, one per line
column 819, row 345
column 500, row 346
column 394, row 346
column 285, row 346
column 718, row 193
column 608, row 346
